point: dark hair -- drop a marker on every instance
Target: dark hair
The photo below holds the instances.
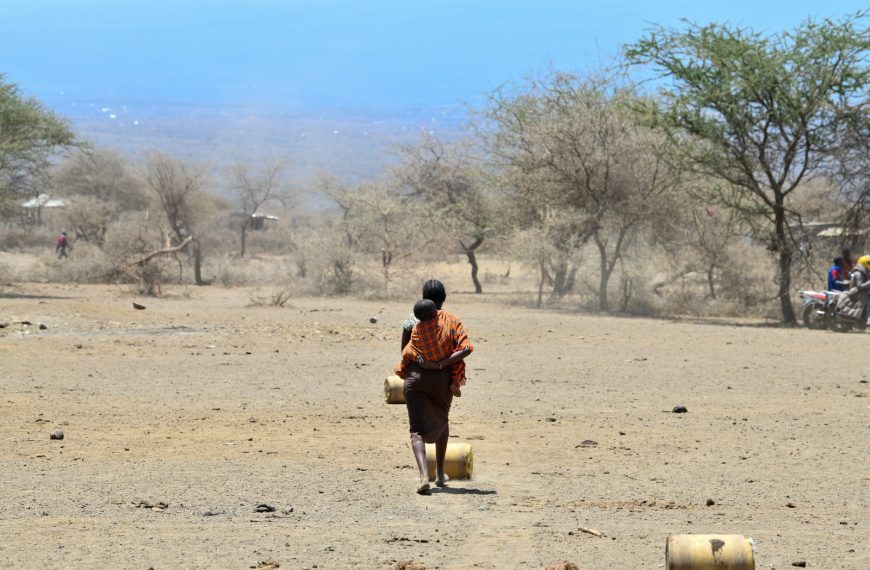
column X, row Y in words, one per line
column 434, row 291
column 425, row 309
column 838, row 261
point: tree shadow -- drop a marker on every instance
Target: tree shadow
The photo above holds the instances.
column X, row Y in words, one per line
column 464, row 491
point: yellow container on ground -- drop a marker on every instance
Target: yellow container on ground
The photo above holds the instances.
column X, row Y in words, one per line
column 458, row 461
column 709, row 552
column 394, row 390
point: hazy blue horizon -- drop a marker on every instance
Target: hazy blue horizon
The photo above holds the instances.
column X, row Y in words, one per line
column 308, row 56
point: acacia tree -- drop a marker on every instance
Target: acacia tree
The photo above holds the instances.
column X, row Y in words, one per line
column 100, row 186
column 572, row 150
column 763, row 113
column 384, row 223
column 379, row 221
column 448, row 183
column 852, row 177
column 178, row 187
column 254, row 188
column 30, row 135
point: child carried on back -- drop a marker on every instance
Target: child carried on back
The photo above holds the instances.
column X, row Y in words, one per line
column 439, row 340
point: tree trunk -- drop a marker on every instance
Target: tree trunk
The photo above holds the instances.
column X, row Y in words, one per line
column 603, row 302
column 472, row 259
column 710, row 282
column 560, row 274
column 386, row 260
column 604, row 277
column 627, row 292
column 243, row 241
column 197, row 265
column 784, row 294
column 543, row 278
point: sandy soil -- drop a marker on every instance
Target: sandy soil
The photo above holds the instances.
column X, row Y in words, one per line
column 213, row 406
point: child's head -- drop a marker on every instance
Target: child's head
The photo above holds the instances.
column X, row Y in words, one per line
column 425, row 309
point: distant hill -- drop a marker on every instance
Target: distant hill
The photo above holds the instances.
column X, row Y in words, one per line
column 352, row 145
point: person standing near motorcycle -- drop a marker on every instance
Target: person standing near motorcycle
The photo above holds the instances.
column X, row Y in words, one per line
column 838, row 279
column 848, row 263
column 854, row 302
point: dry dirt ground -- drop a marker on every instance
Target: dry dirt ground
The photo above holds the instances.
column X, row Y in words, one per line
column 213, row 406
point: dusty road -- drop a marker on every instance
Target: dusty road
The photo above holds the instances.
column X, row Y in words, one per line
column 212, row 407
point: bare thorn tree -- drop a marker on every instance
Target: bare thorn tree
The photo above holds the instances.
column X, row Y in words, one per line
column 255, row 187
column 178, row 187
column 449, row 183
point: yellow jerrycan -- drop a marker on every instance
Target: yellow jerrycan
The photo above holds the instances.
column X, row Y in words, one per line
column 709, row 552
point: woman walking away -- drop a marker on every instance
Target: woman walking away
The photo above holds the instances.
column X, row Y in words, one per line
column 427, row 389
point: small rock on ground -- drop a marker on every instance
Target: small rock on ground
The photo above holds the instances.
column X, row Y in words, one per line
column 563, row 566
column 680, row 409
column 56, row 434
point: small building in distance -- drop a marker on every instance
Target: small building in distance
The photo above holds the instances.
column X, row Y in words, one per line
column 256, row 222
column 32, row 210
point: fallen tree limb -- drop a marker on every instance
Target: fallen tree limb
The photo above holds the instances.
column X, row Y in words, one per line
column 164, row 251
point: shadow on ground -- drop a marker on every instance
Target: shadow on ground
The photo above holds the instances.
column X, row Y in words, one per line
column 464, row 491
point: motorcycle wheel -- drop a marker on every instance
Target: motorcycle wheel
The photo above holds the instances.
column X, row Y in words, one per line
column 811, row 317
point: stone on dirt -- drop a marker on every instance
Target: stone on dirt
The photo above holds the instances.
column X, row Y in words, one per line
column 680, row 409
column 56, row 434
column 264, row 508
column 565, row 565
column 404, row 565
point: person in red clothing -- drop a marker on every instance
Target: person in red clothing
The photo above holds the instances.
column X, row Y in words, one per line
column 61, row 244
column 428, row 393
column 837, row 278
column 437, row 341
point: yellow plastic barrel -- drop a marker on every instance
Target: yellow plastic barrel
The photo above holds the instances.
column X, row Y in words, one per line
column 709, row 552
column 394, row 390
column 458, row 461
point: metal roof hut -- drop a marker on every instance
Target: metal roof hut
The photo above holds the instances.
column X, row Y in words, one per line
column 32, row 209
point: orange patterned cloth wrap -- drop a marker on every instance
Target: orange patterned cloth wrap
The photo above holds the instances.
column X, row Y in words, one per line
column 434, row 340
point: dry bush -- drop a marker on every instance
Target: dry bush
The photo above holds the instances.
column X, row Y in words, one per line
column 277, row 298
column 232, row 271
column 742, row 288
column 87, row 263
column 18, row 238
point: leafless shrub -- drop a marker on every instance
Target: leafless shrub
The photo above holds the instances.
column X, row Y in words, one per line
column 278, row 298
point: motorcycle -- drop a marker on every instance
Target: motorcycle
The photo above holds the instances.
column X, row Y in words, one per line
column 819, row 309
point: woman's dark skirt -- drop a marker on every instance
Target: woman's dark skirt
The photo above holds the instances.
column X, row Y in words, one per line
column 428, row 397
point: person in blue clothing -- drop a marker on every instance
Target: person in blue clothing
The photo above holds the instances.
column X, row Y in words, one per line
column 838, row 278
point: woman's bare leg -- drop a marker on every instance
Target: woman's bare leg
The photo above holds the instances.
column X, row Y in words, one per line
column 440, row 453
column 419, row 448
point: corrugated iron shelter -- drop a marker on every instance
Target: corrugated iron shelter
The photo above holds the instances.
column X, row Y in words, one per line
column 32, row 209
